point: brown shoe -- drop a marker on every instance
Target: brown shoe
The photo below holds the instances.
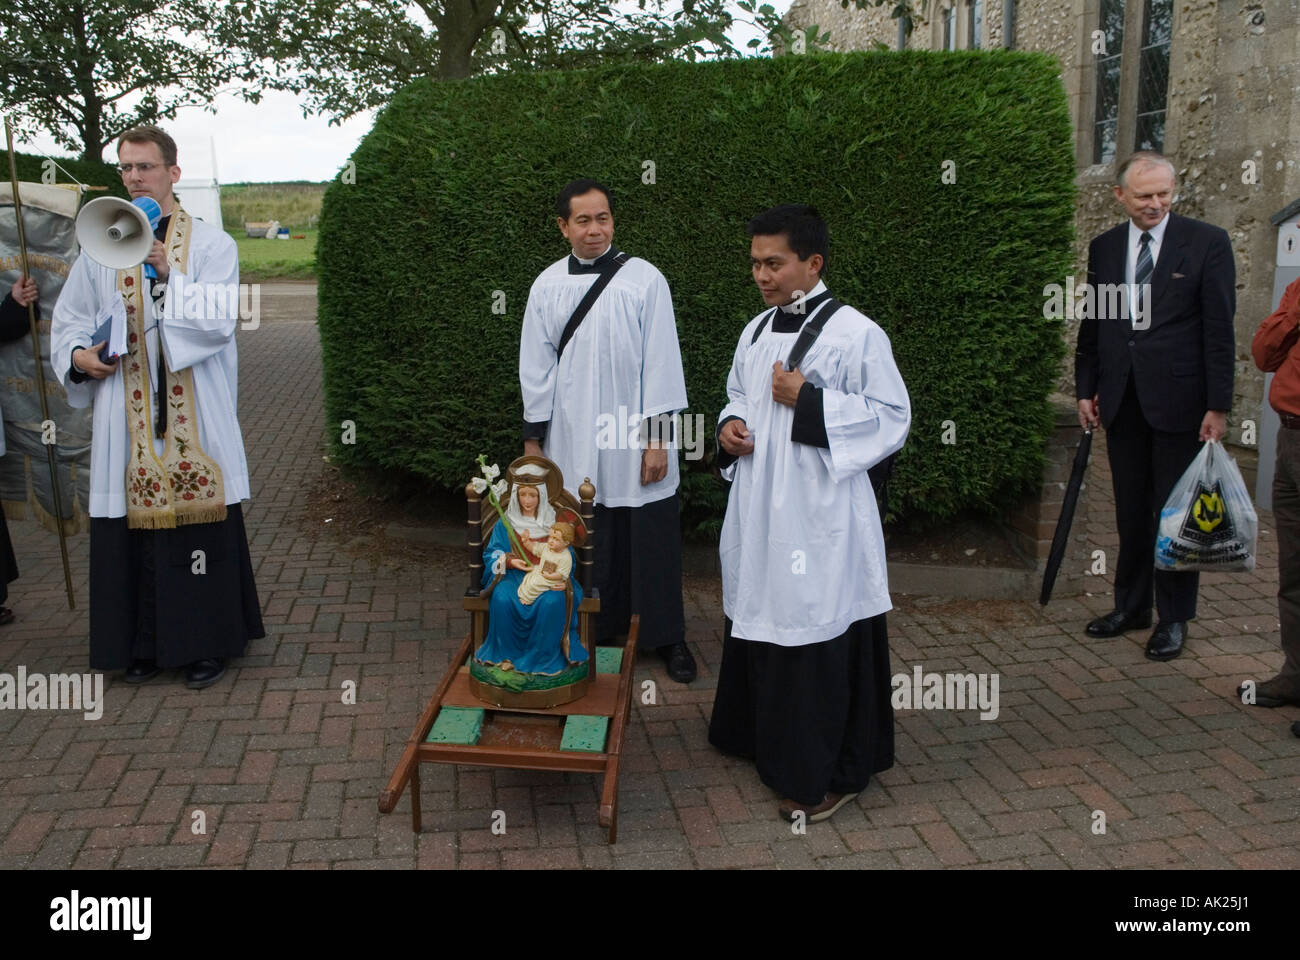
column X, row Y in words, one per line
column 822, row 811
column 1277, row 692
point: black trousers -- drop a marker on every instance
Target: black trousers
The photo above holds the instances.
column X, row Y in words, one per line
column 151, row 600
column 1145, row 463
column 8, row 562
column 638, row 569
column 815, row 718
column 1286, row 515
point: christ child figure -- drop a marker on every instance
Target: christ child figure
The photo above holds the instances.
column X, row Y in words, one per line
column 553, row 566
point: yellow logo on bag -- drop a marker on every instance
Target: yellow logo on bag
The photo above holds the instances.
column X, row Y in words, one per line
column 1208, row 511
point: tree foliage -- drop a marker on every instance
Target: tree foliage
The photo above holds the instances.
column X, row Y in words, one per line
column 346, row 58
column 86, row 70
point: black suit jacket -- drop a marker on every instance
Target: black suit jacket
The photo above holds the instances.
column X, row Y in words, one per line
column 13, row 319
column 1183, row 363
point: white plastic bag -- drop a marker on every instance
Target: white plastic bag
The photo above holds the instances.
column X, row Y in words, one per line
column 1208, row 522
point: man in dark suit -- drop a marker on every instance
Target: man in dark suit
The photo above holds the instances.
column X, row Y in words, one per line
column 1154, row 365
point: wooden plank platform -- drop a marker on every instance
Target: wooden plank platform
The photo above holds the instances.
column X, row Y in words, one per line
column 522, row 739
column 600, row 700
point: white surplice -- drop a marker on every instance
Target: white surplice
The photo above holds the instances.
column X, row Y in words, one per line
column 803, row 554
column 203, row 340
column 622, row 365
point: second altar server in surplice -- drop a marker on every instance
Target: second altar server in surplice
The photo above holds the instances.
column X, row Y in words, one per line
column 804, row 686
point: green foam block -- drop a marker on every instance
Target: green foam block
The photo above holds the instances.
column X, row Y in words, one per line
column 609, row 659
column 584, row 734
column 457, row 725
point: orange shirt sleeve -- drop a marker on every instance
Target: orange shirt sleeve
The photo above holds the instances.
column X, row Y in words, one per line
column 1279, row 333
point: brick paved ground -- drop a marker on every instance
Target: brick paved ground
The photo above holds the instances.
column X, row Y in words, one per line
column 287, row 775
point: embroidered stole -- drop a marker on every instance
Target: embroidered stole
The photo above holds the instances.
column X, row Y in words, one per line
column 183, row 485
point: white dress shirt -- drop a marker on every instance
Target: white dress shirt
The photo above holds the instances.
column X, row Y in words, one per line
column 1135, row 241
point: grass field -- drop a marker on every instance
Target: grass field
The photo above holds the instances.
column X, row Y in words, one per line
column 261, row 260
column 296, row 206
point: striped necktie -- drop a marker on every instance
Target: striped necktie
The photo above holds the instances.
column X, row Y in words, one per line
column 1142, row 273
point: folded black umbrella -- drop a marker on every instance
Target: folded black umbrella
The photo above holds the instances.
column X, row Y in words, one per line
column 1062, row 534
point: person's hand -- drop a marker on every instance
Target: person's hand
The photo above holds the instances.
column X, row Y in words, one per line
column 1215, row 425
column 532, row 448
column 1089, row 413
column 785, row 385
column 518, row 564
column 734, row 438
column 24, row 291
column 158, row 259
column 654, row 465
column 88, row 362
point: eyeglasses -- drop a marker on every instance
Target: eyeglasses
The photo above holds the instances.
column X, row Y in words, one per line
column 125, row 168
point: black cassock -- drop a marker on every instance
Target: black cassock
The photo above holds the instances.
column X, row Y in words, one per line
column 146, row 603
column 638, row 569
column 815, row 718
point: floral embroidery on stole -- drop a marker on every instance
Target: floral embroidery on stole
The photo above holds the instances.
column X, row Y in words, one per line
column 183, row 485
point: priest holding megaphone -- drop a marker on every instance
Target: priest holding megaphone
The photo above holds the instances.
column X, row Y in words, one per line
column 171, row 582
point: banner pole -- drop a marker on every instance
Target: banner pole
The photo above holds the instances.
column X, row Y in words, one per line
column 40, row 371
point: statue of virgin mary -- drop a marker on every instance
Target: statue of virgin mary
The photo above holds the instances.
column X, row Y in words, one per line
column 541, row 637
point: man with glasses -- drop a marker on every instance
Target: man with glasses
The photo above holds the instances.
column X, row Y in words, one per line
column 171, row 583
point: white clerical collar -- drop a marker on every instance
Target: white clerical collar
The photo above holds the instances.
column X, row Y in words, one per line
column 587, row 263
column 797, row 306
column 1157, row 232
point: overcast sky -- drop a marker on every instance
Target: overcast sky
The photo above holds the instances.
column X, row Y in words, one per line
column 271, row 140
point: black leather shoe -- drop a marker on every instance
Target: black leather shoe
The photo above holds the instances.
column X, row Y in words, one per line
column 204, row 673
column 1117, row 622
column 1167, row 640
column 142, row 670
column 681, row 665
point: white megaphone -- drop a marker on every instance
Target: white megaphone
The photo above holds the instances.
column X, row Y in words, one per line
column 119, row 234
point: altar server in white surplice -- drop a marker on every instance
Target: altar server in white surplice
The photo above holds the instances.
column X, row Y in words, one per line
column 171, row 582
column 601, row 388
column 804, row 686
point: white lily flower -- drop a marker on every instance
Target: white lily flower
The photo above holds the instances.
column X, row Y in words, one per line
column 479, row 485
column 499, row 488
column 492, row 472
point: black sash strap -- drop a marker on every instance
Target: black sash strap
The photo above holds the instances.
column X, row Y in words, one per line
column 810, row 332
column 807, row 336
column 585, row 304
column 762, row 325
column 882, row 471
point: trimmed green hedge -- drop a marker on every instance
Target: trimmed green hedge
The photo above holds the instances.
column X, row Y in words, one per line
column 31, row 166
column 453, row 196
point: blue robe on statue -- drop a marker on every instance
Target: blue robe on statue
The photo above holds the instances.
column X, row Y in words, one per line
column 528, row 635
